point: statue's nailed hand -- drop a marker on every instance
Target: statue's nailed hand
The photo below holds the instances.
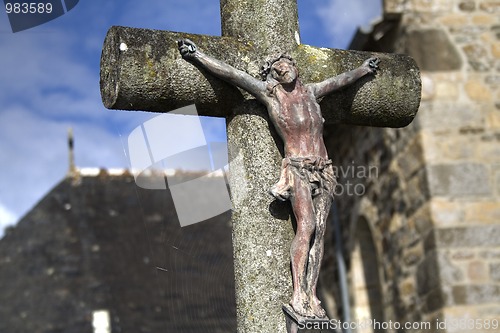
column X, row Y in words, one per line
column 187, row 48
column 371, row 64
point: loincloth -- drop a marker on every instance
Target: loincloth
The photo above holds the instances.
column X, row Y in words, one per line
column 314, row 171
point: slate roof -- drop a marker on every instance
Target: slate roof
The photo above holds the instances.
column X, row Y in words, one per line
column 108, row 244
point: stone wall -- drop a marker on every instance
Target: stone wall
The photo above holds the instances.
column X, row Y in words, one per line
column 434, row 207
column 393, row 199
column 460, row 132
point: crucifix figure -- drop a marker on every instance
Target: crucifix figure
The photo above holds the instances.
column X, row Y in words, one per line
column 307, row 178
column 142, row 69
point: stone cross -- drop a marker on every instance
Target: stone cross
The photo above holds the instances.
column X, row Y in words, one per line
column 142, row 70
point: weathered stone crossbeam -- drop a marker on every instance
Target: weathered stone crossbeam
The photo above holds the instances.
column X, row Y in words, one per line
column 141, row 69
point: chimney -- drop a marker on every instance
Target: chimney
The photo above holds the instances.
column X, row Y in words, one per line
column 72, row 171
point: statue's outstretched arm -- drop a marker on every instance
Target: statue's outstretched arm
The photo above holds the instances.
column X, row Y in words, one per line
column 226, row 72
column 327, row 86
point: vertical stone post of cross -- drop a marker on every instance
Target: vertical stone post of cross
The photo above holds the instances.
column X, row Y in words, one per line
column 261, row 232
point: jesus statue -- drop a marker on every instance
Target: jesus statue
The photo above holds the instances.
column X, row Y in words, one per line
column 307, row 178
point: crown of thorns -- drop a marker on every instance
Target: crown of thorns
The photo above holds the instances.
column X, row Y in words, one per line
column 265, row 69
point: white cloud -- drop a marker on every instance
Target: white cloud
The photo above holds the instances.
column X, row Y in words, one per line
column 7, row 218
column 41, row 74
column 341, row 18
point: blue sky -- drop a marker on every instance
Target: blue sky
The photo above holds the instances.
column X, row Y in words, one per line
column 49, row 81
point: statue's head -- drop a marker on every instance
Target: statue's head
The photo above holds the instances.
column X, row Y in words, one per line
column 281, row 68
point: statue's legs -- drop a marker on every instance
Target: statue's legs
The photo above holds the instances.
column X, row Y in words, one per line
column 303, row 209
column 322, row 204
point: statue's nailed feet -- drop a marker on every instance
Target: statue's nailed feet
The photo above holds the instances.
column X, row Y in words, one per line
column 306, row 308
column 317, row 309
column 301, row 307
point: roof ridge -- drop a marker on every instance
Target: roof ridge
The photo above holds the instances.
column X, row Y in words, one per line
column 117, row 172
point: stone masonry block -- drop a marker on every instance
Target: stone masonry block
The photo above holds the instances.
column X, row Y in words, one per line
column 489, row 151
column 449, row 272
column 490, row 6
column 439, row 150
column 462, row 255
column 495, row 271
column 433, row 50
column 490, row 254
column 459, row 180
column 451, row 115
column 411, row 159
column 394, row 6
column 421, row 220
column 495, row 50
column 484, row 19
column 467, row 6
column 483, row 212
column 477, row 91
column 446, row 213
column 483, row 236
column 497, row 176
column 477, row 271
column 475, row 294
column 418, row 191
column 432, row 6
column 454, row 20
